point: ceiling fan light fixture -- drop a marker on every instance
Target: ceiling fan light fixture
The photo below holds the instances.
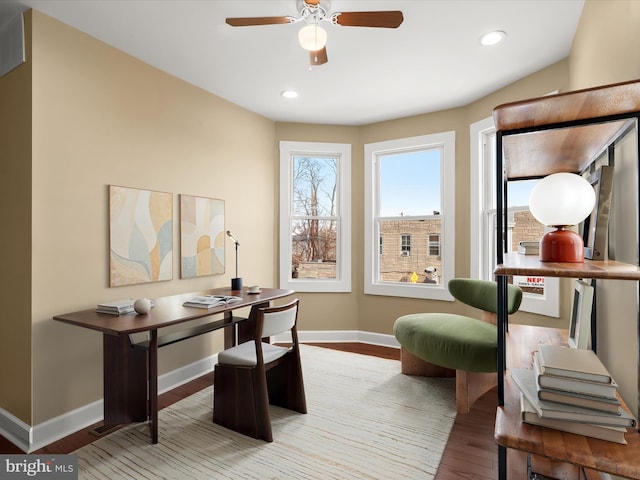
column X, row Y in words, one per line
column 312, row 37
column 492, row 38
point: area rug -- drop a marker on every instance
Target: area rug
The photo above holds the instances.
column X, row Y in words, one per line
column 366, row 421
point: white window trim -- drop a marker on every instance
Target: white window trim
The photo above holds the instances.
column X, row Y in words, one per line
column 547, row 304
column 446, row 140
column 342, row 282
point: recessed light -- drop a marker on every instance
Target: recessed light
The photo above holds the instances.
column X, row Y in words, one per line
column 492, row 38
column 289, row 93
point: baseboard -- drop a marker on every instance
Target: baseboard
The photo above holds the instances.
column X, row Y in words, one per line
column 30, row 439
column 15, row 430
column 59, row 427
column 185, row 374
column 342, row 336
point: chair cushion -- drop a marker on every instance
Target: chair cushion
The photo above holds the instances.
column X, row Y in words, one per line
column 448, row 340
column 483, row 294
column 245, row 354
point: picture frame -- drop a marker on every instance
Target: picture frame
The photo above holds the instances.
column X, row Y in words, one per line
column 596, row 226
column 580, row 321
column 140, row 236
column 202, row 236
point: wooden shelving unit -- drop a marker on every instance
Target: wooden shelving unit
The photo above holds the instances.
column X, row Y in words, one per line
column 536, row 138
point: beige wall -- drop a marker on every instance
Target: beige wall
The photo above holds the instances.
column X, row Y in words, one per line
column 603, row 52
column 101, row 117
column 15, row 241
column 605, row 45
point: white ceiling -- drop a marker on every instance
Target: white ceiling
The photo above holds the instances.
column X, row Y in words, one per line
column 433, row 61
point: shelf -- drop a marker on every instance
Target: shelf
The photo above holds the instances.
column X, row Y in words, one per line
column 547, row 468
column 535, row 138
column 588, row 452
column 530, row 265
column 534, row 155
column 589, row 103
column 536, row 142
column 174, row 337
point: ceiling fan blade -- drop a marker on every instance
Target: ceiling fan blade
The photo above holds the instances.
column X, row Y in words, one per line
column 319, row 57
column 312, row 2
column 253, row 21
column 384, row 19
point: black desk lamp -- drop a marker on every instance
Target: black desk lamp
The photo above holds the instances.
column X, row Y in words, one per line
column 236, row 283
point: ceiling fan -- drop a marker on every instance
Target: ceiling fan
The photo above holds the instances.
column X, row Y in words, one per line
column 313, row 37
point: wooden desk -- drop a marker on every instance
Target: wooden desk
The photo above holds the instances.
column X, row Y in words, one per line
column 129, row 367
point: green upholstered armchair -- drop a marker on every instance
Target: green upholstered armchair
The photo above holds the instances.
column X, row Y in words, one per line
column 446, row 344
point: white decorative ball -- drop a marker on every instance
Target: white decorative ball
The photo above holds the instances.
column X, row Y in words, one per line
column 142, row 305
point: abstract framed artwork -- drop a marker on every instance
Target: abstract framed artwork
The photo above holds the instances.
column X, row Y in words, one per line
column 202, row 240
column 140, row 236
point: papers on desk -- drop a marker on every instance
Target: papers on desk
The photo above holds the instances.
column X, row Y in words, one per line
column 210, row 301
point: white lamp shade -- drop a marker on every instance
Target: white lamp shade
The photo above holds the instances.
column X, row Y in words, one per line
column 562, row 199
column 312, row 37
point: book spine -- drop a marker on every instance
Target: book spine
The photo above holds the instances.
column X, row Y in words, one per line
column 592, row 403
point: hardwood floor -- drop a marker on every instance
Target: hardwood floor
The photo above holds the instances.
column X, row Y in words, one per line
column 471, row 452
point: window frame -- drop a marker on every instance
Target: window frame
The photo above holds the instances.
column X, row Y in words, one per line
column 372, row 286
column 482, row 236
column 342, row 151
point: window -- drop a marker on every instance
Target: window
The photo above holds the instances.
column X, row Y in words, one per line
column 315, row 217
column 434, row 245
column 541, row 294
column 405, row 245
column 409, row 207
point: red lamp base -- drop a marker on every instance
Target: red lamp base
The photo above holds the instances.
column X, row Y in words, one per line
column 564, row 246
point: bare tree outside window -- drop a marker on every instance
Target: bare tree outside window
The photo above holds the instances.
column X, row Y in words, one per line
column 314, row 218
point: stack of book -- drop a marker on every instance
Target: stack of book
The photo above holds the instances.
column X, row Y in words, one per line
column 569, row 389
column 117, row 307
column 529, row 248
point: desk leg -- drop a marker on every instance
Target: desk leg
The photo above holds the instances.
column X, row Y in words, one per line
column 125, row 379
column 230, row 337
column 153, row 385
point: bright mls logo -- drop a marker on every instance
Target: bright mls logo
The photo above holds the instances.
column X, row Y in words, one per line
column 52, row 467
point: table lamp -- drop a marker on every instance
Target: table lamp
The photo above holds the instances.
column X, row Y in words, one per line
column 562, row 200
column 236, row 283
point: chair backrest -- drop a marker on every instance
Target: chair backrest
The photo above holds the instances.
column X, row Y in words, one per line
column 483, row 294
column 277, row 320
